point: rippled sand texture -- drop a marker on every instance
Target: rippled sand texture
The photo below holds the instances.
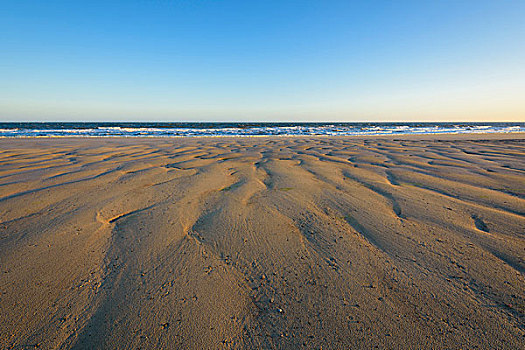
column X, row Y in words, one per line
column 262, row 243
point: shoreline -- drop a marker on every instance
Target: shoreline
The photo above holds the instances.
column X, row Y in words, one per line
column 423, row 136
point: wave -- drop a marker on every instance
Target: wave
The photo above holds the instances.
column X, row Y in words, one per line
column 247, row 129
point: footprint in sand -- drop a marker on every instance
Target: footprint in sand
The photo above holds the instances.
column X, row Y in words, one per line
column 480, row 224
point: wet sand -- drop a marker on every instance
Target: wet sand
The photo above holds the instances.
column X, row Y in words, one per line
column 274, row 243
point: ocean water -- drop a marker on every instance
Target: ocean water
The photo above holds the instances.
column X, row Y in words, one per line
column 153, row 129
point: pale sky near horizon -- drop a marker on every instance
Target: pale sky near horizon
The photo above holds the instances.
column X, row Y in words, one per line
column 204, row 60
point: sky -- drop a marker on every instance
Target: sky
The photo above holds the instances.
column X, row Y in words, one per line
column 220, row 60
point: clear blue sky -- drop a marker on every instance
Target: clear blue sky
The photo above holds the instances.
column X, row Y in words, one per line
column 209, row 60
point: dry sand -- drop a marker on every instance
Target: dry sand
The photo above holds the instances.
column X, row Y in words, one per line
column 282, row 243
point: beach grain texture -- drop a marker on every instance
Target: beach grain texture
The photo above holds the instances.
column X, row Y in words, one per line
column 270, row 243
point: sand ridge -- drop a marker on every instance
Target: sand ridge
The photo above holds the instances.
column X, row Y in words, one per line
column 263, row 243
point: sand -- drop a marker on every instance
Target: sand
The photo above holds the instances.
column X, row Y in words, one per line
column 275, row 243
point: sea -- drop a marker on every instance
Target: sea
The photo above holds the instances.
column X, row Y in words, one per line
column 181, row 129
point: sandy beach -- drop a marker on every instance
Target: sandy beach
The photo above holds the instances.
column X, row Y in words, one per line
column 269, row 242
